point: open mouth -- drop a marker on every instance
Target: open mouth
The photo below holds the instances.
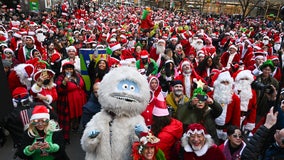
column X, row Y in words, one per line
column 127, row 99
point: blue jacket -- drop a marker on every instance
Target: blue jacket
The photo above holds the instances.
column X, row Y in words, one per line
column 90, row 109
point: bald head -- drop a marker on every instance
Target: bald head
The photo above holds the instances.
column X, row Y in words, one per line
column 96, row 88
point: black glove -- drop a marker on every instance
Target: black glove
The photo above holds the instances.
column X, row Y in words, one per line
column 150, row 69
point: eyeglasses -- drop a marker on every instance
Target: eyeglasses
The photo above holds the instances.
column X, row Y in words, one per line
column 38, row 122
column 71, row 51
column 237, row 136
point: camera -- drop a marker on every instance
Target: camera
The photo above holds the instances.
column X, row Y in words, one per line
column 260, row 86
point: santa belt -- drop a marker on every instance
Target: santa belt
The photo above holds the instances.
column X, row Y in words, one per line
column 222, row 127
column 243, row 113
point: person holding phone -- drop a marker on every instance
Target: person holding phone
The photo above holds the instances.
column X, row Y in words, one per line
column 43, row 139
column 200, row 109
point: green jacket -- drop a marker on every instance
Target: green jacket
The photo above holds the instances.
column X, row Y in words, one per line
column 170, row 99
column 150, row 61
column 36, row 154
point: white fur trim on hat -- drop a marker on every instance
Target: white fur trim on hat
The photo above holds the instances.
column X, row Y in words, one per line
column 40, row 116
column 234, row 47
column 161, row 40
column 71, row 48
column 31, row 37
column 224, row 76
column 116, row 47
column 245, row 74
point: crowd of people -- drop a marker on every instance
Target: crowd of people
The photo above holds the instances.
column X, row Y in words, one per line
column 213, row 78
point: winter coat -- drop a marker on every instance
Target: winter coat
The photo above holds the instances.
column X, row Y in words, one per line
column 189, row 114
column 91, row 108
column 227, row 152
column 168, row 136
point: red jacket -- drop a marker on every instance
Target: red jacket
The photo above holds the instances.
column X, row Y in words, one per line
column 168, row 136
column 225, row 57
column 147, row 23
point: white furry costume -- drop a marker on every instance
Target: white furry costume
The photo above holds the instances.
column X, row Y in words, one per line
column 124, row 94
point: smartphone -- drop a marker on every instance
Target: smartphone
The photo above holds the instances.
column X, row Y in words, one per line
column 40, row 139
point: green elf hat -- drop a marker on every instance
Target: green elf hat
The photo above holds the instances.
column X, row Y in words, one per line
column 267, row 63
column 200, row 94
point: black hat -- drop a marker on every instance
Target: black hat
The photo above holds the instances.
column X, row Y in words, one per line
column 176, row 82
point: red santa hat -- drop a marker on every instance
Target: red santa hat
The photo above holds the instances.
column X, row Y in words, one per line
column 200, row 53
column 40, row 112
column 29, row 70
column 184, row 62
column 71, row 48
column 223, row 76
column 174, row 38
column 115, row 46
column 144, row 54
column 30, row 37
column 55, row 57
column 160, row 109
column 244, row 74
column 17, row 35
column 277, row 39
column 8, row 50
column 234, row 47
column 20, row 93
column 273, row 57
column 194, row 128
column 260, row 54
column 161, row 41
column 48, row 72
column 185, row 35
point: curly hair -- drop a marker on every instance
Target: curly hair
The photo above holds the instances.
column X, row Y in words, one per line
column 159, row 123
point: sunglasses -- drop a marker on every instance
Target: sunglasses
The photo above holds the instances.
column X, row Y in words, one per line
column 38, row 122
column 237, row 136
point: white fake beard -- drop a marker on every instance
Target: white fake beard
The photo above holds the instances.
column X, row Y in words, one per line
column 160, row 49
column 196, row 148
column 223, row 93
column 265, row 42
column 277, row 46
column 26, row 82
column 198, row 46
column 40, row 37
column 245, row 88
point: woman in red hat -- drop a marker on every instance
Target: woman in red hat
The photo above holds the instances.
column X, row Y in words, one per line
column 71, row 98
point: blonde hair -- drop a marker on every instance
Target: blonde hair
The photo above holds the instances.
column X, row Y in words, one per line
column 52, row 126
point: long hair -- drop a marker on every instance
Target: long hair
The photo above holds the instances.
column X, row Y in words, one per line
column 51, row 127
column 159, row 123
column 99, row 72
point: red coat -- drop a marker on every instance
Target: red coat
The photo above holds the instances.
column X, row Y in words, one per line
column 147, row 23
column 225, row 57
column 51, row 93
column 249, row 122
column 72, row 94
column 277, row 74
column 232, row 111
column 168, row 136
column 14, row 81
column 248, row 57
column 213, row 153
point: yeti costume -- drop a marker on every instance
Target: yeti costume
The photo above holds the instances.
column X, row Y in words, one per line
column 124, row 94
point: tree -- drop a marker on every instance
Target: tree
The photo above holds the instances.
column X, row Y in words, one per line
column 248, row 5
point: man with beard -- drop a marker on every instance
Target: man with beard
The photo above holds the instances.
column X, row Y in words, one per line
column 176, row 99
column 187, row 77
column 157, row 52
column 21, row 76
column 247, row 97
column 196, row 46
column 230, row 57
column 197, row 144
column 224, row 94
column 44, row 89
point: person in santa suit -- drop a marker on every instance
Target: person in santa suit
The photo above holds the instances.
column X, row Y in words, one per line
column 224, row 94
column 44, row 89
column 146, row 21
column 246, row 52
column 266, row 45
column 277, row 71
column 196, row 46
column 230, row 57
column 157, row 51
column 21, row 76
column 225, row 42
column 197, row 144
column 247, row 95
column 259, row 58
column 73, row 58
column 25, row 51
column 15, row 40
column 188, row 76
column 209, row 48
column 156, row 93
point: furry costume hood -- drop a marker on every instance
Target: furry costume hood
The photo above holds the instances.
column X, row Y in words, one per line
column 124, row 92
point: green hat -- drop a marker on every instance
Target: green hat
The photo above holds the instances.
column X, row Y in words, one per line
column 267, row 63
column 200, row 94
